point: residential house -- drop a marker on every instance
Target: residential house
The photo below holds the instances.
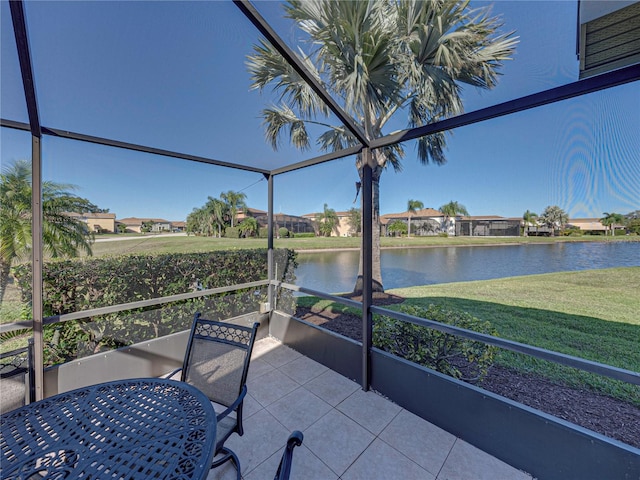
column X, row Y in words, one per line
column 292, row 223
column 426, row 221
column 134, row 224
column 97, row 222
column 488, row 225
column 590, row 225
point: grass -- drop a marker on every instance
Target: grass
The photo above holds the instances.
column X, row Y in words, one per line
column 591, row 314
column 142, row 244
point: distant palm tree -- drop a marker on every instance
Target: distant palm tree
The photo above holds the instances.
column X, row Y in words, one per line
column 354, row 219
column 412, row 207
column 397, row 227
column 248, row 227
column 62, row 235
column 378, row 58
column 451, row 210
column 529, row 219
column 235, row 202
column 610, row 220
column 327, row 221
column 554, row 217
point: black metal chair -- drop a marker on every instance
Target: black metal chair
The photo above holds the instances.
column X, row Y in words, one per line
column 16, row 374
column 284, row 469
column 216, row 362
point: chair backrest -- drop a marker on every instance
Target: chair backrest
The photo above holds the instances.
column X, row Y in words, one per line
column 217, row 358
column 16, row 378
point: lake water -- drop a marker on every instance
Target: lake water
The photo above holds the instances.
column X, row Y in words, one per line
column 407, row 267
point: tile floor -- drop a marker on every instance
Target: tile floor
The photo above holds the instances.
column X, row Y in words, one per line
column 348, row 433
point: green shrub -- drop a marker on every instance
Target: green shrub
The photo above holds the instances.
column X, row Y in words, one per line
column 452, row 355
column 232, row 232
column 83, row 284
column 443, row 234
column 304, row 235
column 263, row 232
column 283, row 232
column 572, row 232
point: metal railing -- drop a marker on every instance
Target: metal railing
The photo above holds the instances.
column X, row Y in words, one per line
column 609, row 371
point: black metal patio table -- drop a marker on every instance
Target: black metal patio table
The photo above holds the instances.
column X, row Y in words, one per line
column 147, row 428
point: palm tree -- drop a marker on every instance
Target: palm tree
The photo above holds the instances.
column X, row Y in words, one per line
column 62, row 235
column 235, row 201
column 610, row 220
column 379, row 57
column 451, row 210
column 248, row 227
column 554, row 217
column 215, row 210
column 529, row 219
column 412, row 207
column 354, row 218
column 327, row 221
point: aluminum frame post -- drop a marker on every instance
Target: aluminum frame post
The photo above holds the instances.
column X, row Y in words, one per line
column 367, row 267
column 270, row 262
column 36, row 266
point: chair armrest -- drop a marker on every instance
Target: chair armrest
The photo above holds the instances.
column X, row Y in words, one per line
column 174, row 372
column 234, row 405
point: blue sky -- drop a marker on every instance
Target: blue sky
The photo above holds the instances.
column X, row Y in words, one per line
column 172, row 75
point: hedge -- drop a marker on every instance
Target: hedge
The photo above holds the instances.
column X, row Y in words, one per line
column 81, row 284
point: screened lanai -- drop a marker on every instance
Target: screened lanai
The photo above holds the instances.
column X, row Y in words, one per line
column 149, row 107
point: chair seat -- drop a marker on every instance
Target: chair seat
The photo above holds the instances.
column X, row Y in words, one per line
column 224, row 428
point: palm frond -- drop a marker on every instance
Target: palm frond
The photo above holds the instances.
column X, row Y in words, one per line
column 276, row 119
column 267, row 66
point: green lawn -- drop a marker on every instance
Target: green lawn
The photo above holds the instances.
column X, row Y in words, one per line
column 590, row 314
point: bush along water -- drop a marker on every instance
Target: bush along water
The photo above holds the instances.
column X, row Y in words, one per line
column 83, row 284
column 464, row 359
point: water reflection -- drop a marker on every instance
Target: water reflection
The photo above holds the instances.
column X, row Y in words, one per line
column 337, row 271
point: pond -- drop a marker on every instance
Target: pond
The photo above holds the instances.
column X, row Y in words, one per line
column 407, row 267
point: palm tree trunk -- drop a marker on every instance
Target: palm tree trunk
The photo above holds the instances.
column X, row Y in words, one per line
column 4, row 277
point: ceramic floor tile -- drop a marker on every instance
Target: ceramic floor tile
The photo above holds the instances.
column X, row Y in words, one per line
column 304, row 466
column 421, row 441
column 258, row 367
column 303, row 369
column 263, row 346
column 369, row 409
column 467, row 462
column 270, row 387
column 299, row 409
column 337, row 440
column 250, row 406
column 332, row 387
column 280, row 355
column 380, row 461
column 263, row 436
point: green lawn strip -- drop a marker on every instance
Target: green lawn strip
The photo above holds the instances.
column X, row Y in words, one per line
column 184, row 244
column 590, row 314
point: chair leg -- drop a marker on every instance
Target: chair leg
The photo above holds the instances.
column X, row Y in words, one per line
column 228, row 455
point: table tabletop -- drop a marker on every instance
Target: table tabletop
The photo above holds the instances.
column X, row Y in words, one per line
column 138, row 428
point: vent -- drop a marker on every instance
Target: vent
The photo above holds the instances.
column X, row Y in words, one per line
column 610, row 42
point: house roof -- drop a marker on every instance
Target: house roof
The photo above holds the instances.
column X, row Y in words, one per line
column 140, row 221
column 486, row 217
column 425, row 212
column 92, row 215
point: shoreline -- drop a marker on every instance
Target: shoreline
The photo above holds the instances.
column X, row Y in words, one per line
column 497, row 244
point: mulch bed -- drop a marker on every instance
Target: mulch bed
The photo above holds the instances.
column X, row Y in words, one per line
column 600, row 413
